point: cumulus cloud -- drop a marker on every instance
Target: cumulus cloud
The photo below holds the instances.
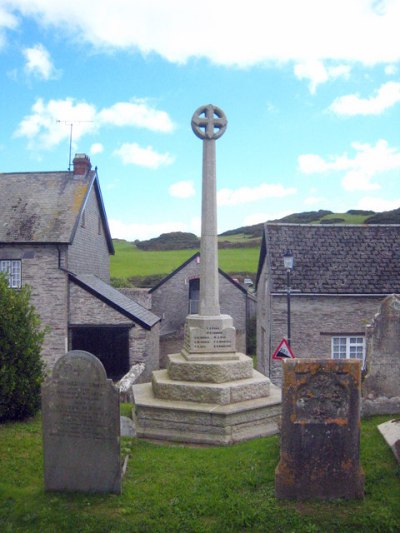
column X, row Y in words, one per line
column 131, row 232
column 352, row 104
column 133, row 154
column 368, row 163
column 182, row 189
column 7, row 22
column 49, row 122
column 39, row 63
column 96, row 148
column 316, row 72
column 246, row 195
column 136, row 113
column 269, row 31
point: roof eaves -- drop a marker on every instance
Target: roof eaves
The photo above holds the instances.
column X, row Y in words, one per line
column 111, row 303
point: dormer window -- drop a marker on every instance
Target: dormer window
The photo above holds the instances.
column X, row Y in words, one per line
column 12, row 269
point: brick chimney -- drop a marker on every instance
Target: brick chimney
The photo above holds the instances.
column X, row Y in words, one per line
column 82, row 164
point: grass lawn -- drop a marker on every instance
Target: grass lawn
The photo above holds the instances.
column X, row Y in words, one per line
column 173, row 488
column 130, row 261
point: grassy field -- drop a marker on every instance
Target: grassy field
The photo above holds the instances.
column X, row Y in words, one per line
column 178, row 489
column 130, row 261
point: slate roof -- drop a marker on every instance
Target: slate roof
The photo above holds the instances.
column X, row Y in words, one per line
column 334, row 259
column 116, row 300
column 45, row 207
column 197, row 254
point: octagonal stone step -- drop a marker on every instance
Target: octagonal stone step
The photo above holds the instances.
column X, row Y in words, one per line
column 180, row 369
column 219, row 393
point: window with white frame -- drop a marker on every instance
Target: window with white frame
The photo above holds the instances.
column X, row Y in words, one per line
column 348, row 347
column 12, row 269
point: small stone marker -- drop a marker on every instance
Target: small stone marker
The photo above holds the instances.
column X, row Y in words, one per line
column 320, row 434
column 391, row 433
column 81, row 427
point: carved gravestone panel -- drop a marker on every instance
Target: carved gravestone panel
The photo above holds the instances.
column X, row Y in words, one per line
column 81, row 427
column 383, row 354
column 320, row 435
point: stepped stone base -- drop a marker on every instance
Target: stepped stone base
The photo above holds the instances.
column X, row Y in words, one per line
column 220, row 393
column 205, row 423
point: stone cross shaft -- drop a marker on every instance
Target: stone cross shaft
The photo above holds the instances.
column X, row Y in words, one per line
column 209, row 123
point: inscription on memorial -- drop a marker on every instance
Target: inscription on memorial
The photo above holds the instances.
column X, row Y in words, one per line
column 209, row 339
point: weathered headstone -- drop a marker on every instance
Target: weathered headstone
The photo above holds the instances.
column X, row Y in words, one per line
column 383, row 353
column 320, row 433
column 81, row 427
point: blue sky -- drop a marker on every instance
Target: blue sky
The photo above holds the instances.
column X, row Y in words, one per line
column 311, row 90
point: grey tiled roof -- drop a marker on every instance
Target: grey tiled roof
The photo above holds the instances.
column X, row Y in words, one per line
column 44, row 207
column 334, row 259
column 116, row 299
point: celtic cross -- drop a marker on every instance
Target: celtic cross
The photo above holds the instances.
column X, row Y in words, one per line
column 209, row 123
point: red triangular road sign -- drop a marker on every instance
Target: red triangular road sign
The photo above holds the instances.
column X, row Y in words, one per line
column 283, row 351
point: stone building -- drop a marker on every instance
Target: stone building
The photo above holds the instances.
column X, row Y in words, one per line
column 54, row 236
column 341, row 275
column 177, row 295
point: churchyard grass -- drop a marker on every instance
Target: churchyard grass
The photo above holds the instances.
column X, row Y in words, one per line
column 130, row 261
column 173, row 488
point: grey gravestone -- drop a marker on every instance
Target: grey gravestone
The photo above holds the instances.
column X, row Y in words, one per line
column 81, row 427
column 383, row 355
column 320, row 434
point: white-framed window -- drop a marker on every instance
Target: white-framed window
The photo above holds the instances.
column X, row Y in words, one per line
column 351, row 347
column 12, row 270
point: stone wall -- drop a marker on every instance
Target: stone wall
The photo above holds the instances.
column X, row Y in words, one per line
column 314, row 321
column 89, row 252
column 40, row 270
column 86, row 309
column 170, row 301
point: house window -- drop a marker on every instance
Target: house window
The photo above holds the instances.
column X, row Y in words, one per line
column 194, row 296
column 12, row 270
column 348, row 348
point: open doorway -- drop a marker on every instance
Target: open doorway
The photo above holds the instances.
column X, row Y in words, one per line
column 109, row 344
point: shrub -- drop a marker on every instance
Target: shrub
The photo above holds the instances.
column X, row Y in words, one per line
column 21, row 368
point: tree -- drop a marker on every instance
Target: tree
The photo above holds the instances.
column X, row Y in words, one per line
column 21, row 367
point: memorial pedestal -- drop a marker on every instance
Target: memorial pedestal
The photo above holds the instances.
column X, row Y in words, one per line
column 207, row 395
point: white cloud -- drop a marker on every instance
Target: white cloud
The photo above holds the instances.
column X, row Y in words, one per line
column 390, row 70
column 133, row 154
column 38, row 62
column 378, row 204
column 318, row 73
column 136, row 113
column 182, row 189
column 252, row 32
column 245, row 195
column 131, row 232
column 350, row 105
column 96, row 148
column 49, row 123
column 359, row 171
column 7, row 22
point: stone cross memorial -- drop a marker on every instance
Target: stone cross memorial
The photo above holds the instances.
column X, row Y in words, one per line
column 81, row 427
column 209, row 393
column 320, row 433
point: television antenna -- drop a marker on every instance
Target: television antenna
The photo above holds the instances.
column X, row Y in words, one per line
column 71, row 125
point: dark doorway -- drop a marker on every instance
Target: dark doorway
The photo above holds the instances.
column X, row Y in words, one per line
column 194, row 296
column 109, row 344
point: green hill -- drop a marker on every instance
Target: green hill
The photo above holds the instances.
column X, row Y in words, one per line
column 144, row 263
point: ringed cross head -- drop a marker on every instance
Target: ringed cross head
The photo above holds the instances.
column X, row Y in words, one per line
column 209, row 122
